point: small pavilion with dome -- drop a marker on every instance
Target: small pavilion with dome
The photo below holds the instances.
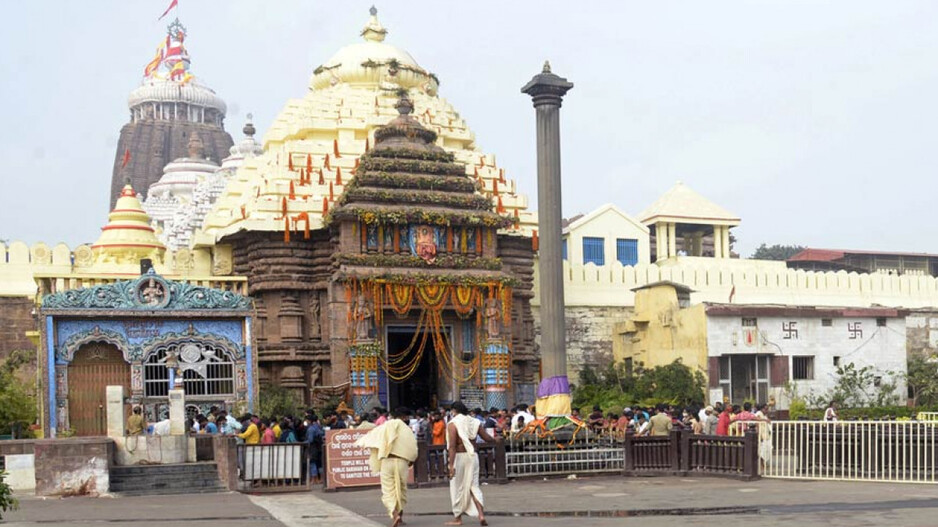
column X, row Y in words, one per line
column 684, row 222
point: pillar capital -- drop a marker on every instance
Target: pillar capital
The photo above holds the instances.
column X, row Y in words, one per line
column 547, row 88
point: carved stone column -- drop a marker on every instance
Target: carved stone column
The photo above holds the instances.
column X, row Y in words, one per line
column 547, row 91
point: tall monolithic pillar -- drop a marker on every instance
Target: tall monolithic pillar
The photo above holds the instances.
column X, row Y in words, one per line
column 547, row 91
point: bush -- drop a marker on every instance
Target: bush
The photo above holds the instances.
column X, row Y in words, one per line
column 798, row 409
column 7, row 501
column 614, row 388
column 274, row 401
column 17, row 399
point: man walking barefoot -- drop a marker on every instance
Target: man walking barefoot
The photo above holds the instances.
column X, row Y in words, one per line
column 393, row 450
column 464, row 491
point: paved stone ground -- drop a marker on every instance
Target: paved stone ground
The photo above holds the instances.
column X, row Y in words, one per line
column 603, row 501
column 587, row 502
column 228, row 509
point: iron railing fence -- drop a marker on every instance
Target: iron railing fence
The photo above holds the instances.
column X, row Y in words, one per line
column 587, row 453
column 892, row 451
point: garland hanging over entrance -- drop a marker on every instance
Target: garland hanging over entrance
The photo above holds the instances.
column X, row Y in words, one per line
column 367, row 300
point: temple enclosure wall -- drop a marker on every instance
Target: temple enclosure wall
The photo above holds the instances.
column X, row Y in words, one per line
column 611, row 285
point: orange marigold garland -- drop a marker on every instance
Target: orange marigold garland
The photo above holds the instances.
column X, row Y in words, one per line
column 433, row 296
column 400, row 298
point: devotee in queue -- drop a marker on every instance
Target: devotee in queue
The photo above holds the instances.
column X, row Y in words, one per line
column 465, row 493
column 393, row 448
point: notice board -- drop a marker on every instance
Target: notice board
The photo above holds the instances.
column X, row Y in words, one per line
column 346, row 464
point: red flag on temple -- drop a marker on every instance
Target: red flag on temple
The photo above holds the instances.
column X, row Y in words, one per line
column 292, row 190
column 335, row 148
column 338, row 175
column 174, row 3
column 290, row 163
column 126, row 158
column 309, row 163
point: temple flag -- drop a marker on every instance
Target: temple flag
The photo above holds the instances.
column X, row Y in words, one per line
column 179, row 69
column 732, row 293
column 174, row 3
column 126, row 158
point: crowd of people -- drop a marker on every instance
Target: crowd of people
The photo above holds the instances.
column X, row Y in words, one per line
column 717, row 419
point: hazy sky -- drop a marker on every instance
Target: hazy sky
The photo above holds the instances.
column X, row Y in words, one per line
column 815, row 121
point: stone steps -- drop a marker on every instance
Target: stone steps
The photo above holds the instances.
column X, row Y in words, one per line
column 142, row 480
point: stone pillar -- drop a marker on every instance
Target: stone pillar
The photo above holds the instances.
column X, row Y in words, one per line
column 717, row 242
column 115, row 411
column 661, row 241
column 547, row 91
column 177, row 412
column 726, row 242
column 672, row 240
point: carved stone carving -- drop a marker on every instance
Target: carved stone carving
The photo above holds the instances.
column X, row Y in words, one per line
column 148, row 292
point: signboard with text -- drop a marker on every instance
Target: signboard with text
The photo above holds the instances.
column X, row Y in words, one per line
column 346, row 464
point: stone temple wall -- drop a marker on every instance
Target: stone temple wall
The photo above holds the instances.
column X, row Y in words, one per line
column 15, row 320
column 589, row 335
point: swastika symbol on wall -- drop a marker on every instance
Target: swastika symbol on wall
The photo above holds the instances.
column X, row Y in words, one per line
column 855, row 329
column 789, row 330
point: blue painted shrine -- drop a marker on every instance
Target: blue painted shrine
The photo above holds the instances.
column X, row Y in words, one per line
column 140, row 333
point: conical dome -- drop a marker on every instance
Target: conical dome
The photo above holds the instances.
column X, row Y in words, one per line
column 315, row 145
column 128, row 237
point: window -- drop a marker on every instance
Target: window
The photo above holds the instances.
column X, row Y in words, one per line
column 802, row 368
column 627, row 251
column 836, row 361
column 563, row 248
column 594, row 251
column 881, row 322
column 749, row 322
column 628, row 366
column 211, row 374
column 826, row 322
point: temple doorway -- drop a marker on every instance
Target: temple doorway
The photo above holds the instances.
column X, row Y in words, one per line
column 96, row 365
column 421, row 388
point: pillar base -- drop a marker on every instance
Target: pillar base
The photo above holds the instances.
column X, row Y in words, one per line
column 553, row 397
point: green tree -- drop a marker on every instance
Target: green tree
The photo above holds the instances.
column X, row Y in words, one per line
column 776, row 252
column 922, row 378
column 17, row 399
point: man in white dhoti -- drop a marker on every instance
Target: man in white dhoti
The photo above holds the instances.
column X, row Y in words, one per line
column 393, row 450
column 464, row 491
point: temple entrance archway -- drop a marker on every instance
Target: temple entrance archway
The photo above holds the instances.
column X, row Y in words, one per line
column 422, row 388
column 95, row 366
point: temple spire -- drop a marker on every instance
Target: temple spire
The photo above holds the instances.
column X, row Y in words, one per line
column 373, row 30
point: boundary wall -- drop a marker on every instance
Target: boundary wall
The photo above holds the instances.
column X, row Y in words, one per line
column 611, row 285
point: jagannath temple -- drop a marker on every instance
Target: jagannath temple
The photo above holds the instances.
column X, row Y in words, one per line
column 373, row 251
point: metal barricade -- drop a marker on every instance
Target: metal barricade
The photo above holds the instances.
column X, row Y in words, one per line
column 273, row 467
